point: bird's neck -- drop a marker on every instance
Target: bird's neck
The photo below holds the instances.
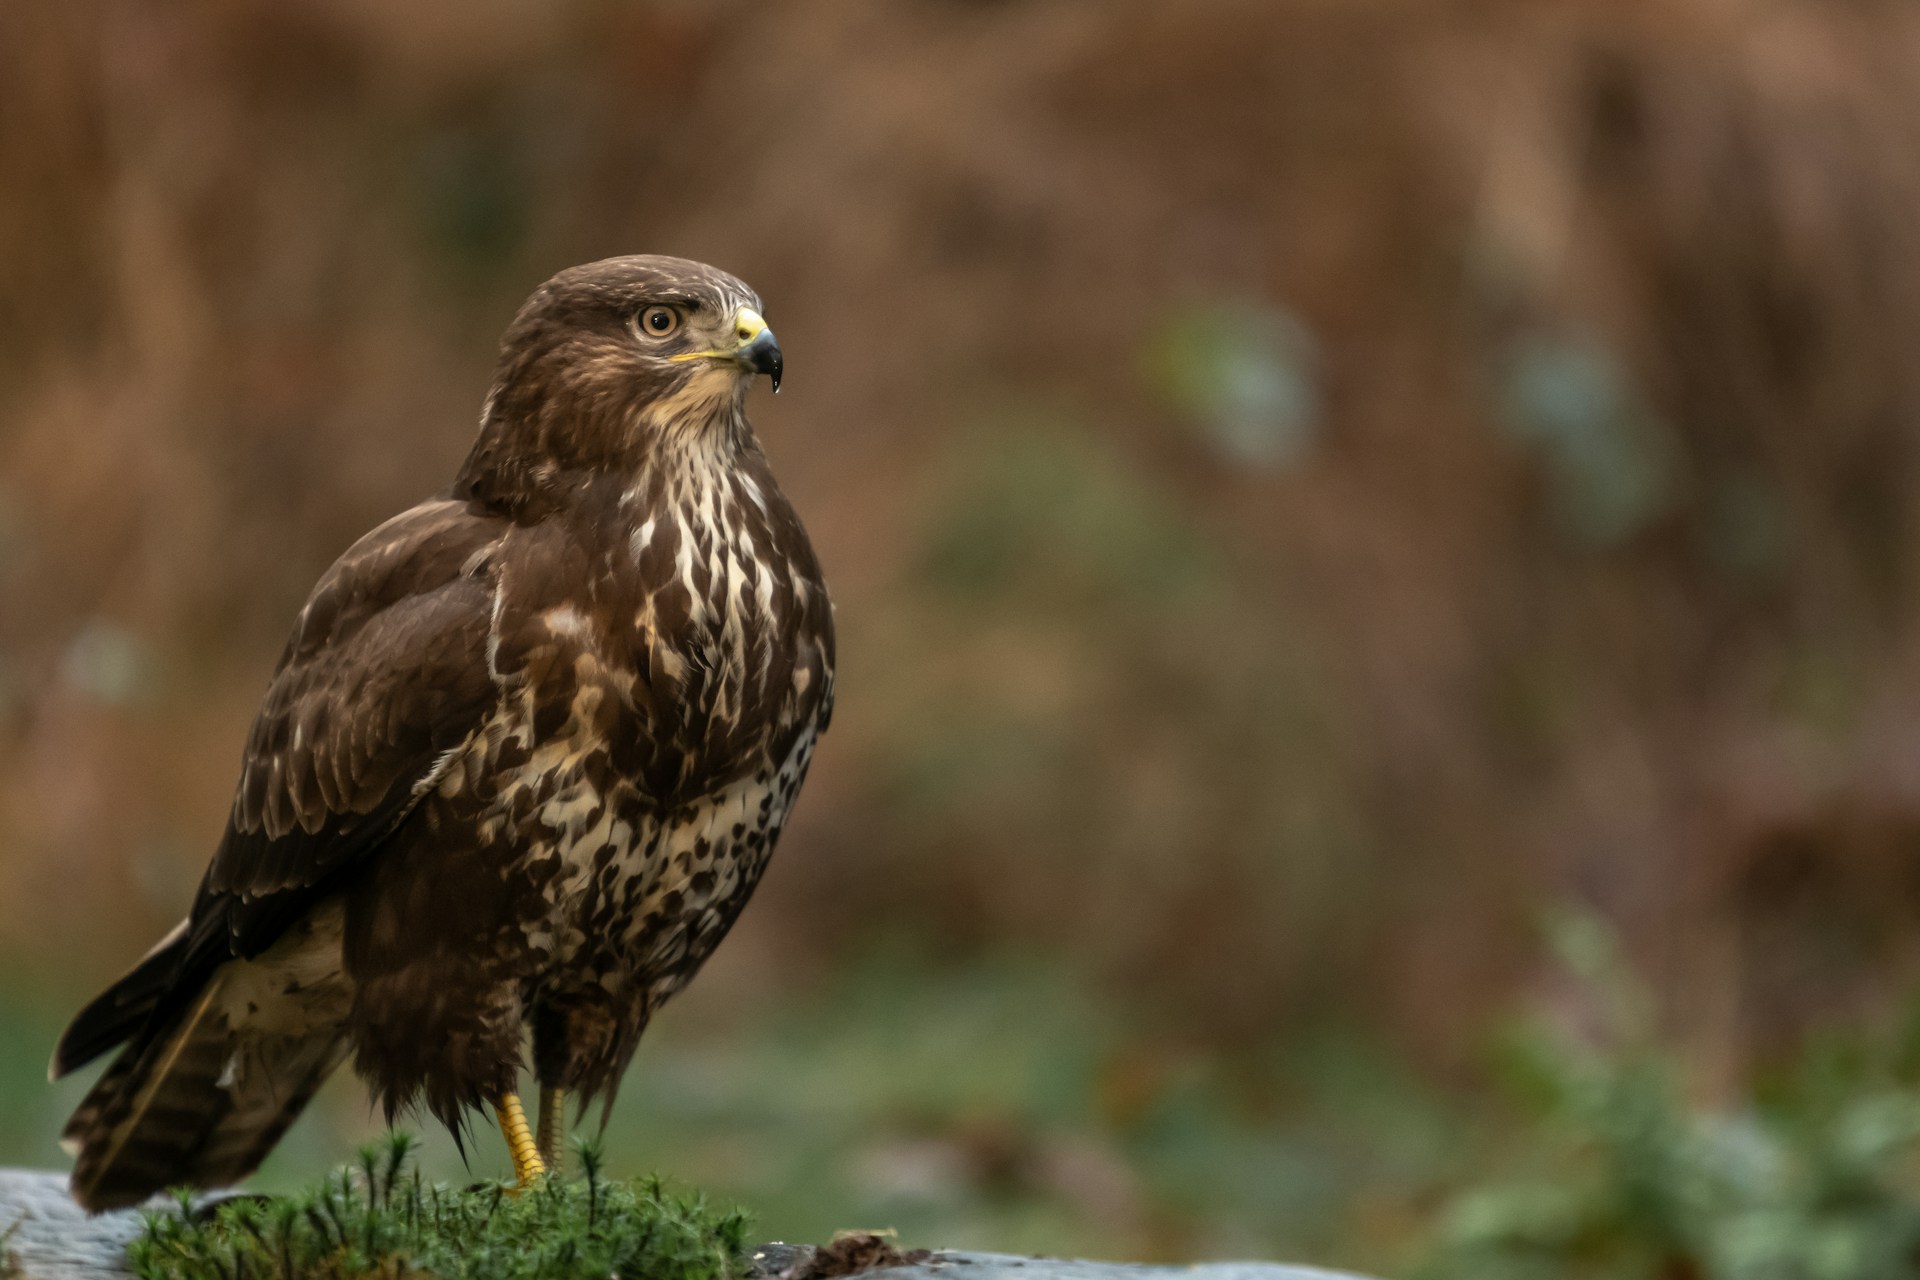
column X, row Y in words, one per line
column 529, row 457
column 691, row 431
column 686, row 475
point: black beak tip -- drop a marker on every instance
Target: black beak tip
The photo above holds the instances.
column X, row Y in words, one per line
column 763, row 356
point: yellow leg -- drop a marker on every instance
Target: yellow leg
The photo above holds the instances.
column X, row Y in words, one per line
column 526, row 1154
column 553, row 1125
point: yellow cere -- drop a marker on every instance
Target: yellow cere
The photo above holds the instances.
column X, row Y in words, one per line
column 747, row 325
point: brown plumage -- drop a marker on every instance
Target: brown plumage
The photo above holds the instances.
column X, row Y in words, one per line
column 522, row 763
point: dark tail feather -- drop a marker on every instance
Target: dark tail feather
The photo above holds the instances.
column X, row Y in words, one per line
column 193, row 1102
column 118, row 1013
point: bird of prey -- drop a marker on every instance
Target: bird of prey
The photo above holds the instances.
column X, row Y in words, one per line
column 523, row 760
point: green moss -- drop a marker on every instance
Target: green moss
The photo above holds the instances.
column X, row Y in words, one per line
column 380, row 1219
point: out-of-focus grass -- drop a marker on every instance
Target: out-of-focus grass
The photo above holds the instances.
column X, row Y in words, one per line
column 31, row 1110
column 1001, row 1108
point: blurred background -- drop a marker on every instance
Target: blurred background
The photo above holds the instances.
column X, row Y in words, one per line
column 1312, row 491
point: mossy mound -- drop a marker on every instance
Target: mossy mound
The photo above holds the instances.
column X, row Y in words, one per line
column 379, row 1219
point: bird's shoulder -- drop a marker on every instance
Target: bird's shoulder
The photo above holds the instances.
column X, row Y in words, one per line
column 432, row 561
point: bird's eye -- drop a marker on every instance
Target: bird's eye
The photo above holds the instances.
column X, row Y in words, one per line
column 658, row 322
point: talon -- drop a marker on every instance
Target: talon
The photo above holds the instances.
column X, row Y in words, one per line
column 527, row 1164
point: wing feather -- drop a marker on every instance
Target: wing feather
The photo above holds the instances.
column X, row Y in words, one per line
column 385, row 674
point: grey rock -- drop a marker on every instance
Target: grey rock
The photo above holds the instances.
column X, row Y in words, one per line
column 1004, row 1266
column 48, row 1237
column 778, row 1260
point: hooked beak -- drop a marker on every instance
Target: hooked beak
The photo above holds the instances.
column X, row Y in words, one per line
column 758, row 350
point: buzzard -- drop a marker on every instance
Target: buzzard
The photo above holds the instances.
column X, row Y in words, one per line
column 524, row 758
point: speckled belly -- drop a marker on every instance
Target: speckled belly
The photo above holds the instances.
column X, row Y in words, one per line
column 639, row 896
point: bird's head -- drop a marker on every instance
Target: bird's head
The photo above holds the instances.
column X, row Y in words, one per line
column 608, row 361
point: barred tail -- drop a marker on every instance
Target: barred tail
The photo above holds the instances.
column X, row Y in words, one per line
column 198, row 1097
column 186, row 1107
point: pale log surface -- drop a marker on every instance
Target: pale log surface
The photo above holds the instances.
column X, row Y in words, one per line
column 51, row 1239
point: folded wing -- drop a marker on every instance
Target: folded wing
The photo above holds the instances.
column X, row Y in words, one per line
column 386, row 675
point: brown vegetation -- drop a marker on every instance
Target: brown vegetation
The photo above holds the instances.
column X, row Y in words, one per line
column 1585, row 566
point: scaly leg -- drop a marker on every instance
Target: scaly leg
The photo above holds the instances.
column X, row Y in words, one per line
column 553, row 1125
column 526, row 1153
